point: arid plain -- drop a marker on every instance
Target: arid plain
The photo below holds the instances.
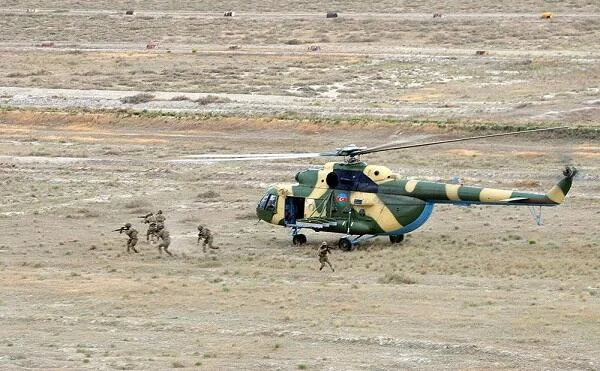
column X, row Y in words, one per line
column 90, row 126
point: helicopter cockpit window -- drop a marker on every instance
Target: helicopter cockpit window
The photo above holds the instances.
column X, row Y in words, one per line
column 272, row 202
column 351, row 181
column 263, row 201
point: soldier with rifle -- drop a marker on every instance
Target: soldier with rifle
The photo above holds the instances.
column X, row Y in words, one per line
column 132, row 233
column 166, row 241
column 206, row 234
column 323, row 251
column 152, row 231
column 160, row 220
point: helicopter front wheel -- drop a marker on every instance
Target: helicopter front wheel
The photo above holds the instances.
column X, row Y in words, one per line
column 299, row 239
column 345, row 244
column 396, row 238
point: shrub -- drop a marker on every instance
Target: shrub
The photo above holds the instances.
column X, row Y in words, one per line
column 211, row 99
column 293, row 42
column 208, row 194
column 138, row 98
column 136, row 204
column 396, row 278
column 180, row 97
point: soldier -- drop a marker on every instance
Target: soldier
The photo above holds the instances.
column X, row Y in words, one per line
column 150, row 219
column 323, row 251
column 132, row 233
column 160, row 219
column 166, row 241
column 206, row 234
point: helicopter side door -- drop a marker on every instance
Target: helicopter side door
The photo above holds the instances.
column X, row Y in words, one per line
column 294, row 209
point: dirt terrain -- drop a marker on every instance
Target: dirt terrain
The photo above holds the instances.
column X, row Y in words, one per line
column 515, row 296
column 386, row 60
column 93, row 125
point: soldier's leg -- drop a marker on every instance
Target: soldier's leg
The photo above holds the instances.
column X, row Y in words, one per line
column 133, row 243
column 167, row 249
column 160, row 248
column 210, row 243
column 204, row 245
column 328, row 262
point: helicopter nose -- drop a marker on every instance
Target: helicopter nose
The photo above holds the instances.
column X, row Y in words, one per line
column 267, row 205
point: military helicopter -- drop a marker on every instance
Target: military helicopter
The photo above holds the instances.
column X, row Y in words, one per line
column 362, row 201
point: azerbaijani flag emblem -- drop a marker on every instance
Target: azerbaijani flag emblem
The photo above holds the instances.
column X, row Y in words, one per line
column 342, row 197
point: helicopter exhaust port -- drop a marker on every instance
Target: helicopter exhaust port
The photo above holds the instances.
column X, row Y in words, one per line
column 332, row 180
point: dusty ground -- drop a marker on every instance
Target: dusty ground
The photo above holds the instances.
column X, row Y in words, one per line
column 385, row 59
column 81, row 153
column 491, row 289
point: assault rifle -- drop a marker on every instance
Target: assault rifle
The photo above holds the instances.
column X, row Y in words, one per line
column 146, row 217
column 120, row 230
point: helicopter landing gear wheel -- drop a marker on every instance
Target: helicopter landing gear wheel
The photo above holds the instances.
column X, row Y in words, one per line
column 299, row 239
column 345, row 244
column 396, row 238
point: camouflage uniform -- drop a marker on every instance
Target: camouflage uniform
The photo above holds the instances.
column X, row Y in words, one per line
column 206, row 234
column 132, row 233
column 160, row 220
column 152, row 227
column 166, row 241
column 323, row 251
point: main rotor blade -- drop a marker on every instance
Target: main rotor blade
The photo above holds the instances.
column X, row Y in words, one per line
column 395, row 145
column 205, row 158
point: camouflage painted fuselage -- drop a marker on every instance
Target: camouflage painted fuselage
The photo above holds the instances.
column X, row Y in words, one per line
column 356, row 198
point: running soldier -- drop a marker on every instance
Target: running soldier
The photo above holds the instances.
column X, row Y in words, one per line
column 150, row 219
column 160, row 220
column 206, row 234
column 132, row 233
column 323, row 251
column 166, row 241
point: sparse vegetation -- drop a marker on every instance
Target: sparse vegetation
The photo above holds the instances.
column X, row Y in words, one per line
column 209, row 99
column 396, row 278
column 180, row 98
column 210, row 194
column 137, row 204
column 138, row 98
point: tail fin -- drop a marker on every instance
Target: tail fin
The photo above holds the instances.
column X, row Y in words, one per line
column 559, row 191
